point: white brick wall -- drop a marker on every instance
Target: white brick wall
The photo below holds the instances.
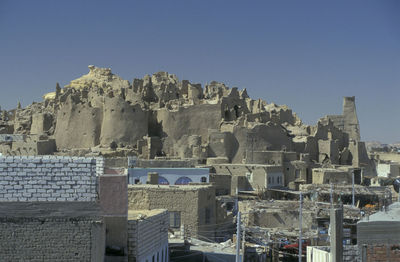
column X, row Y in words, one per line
column 49, row 178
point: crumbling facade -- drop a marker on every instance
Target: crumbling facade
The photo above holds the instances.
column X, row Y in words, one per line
column 102, row 113
column 348, row 120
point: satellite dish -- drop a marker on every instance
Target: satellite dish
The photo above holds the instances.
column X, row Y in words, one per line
column 396, row 184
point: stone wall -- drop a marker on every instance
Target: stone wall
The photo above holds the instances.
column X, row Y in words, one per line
column 50, row 239
column 194, row 202
column 222, row 184
column 48, row 178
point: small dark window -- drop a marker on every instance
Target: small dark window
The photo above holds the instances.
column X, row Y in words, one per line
column 175, row 219
column 236, row 108
column 208, row 215
column 297, row 174
column 203, row 179
column 137, row 180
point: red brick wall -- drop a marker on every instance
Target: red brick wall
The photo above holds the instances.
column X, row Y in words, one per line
column 383, row 253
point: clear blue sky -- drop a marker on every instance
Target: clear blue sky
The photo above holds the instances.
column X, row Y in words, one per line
column 306, row 54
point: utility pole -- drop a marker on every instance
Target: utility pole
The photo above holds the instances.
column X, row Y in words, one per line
column 353, row 198
column 300, row 225
column 237, row 199
column 238, row 238
column 243, row 242
column 336, row 224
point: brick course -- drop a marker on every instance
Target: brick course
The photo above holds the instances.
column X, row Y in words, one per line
column 383, row 253
column 51, row 239
column 49, row 178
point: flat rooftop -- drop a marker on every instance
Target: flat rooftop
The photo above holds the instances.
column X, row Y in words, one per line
column 189, row 187
column 393, row 214
column 247, row 165
column 328, row 169
column 139, row 214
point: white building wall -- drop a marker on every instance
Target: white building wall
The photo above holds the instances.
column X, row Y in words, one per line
column 383, row 170
column 49, row 178
column 315, row 254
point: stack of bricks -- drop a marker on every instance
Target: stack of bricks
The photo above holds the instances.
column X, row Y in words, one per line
column 48, row 178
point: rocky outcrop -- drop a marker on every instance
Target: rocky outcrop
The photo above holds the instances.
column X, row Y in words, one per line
column 99, row 77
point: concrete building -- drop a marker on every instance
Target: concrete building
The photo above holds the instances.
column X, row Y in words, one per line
column 190, row 206
column 379, row 235
column 148, row 235
column 49, row 209
column 170, row 176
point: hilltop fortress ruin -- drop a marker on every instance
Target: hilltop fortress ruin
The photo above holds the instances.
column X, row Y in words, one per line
column 159, row 116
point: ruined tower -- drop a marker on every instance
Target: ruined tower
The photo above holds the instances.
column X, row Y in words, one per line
column 350, row 120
